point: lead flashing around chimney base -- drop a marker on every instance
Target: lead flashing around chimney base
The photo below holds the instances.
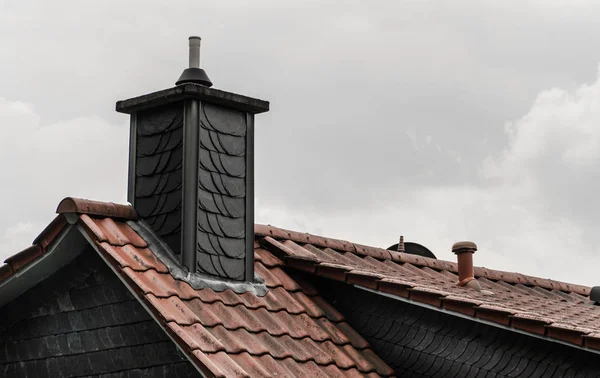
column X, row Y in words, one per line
column 196, row 280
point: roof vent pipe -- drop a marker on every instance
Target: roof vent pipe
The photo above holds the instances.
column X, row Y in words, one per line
column 466, row 276
column 195, row 52
column 194, row 74
column 401, row 244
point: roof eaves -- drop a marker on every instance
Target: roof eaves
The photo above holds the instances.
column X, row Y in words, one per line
column 32, row 265
column 570, row 336
column 39, row 247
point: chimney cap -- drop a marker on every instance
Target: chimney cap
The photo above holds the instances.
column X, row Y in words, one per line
column 464, row 246
column 194, row 74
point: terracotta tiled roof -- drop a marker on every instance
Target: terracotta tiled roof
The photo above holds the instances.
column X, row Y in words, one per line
column 294, row 331
column 291, row 331
column 544, row 307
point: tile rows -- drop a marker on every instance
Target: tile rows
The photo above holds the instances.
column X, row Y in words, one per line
column 554, row 313
column 263, row 231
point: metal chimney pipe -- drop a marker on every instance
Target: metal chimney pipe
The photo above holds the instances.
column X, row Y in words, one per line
column 195, row 51
column 194, row 74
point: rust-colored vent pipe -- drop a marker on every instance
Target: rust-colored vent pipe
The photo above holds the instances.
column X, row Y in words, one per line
column 464, row 251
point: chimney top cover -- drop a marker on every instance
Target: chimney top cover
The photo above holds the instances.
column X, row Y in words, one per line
column 464, row 246
column 194, row 74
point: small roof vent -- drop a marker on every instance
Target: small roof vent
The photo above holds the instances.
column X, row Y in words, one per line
column 411, row 248
column 194, row 74
column 595, row 295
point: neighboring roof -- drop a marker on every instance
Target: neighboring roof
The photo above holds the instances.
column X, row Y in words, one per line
column 542, row 307
column 291, row 331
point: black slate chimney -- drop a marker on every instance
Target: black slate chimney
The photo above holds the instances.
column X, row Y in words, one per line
column 191, row 171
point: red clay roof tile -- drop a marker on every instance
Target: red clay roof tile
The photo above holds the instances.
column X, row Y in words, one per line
column 395, row 286
column 567, row 332
column 276, row 277
column 51, row 231
column 117, row 233
column 354, row 337
column 266, row 258
column 529, row 323
column 333, row 271
column 323, row 307
column 460, row 304
column 92, row 229
column 364, row 278
column 138, row 259
column 592, row 340
column 152, row 282
column 301, row 263
column 427, row 295
column 172, row 309
column 196, row 337
column 220, row 364
column 19, row 260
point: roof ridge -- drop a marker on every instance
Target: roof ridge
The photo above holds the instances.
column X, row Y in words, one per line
column 383, row 254
column 90, row 207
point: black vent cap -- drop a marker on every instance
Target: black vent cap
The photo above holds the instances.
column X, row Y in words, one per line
column 595, row 294
column 414, row 249
column 194, row 75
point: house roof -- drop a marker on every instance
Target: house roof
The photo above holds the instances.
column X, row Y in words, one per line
column 547, row 308
column 290, row 331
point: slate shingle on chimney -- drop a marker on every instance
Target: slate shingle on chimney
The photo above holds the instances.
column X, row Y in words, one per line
column 191, row 171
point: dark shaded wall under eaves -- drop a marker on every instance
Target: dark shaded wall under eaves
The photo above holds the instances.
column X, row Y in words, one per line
column 82, row 321
column 420, row 342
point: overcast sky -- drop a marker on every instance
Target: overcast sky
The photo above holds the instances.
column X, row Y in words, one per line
column 439, row 121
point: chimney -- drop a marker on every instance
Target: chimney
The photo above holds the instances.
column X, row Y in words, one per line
column 464, row 251
column 191, row 171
